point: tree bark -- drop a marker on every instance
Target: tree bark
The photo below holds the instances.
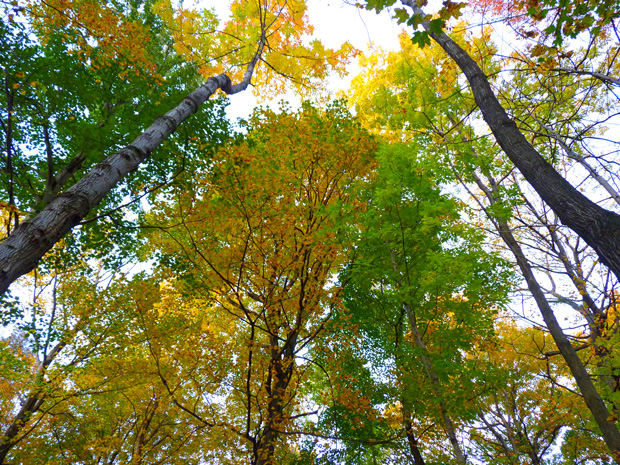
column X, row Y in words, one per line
column 29, row 407
column 281, row 372
column 27, row 244
column 411, row 440
column 591, row 396
column 598, row 227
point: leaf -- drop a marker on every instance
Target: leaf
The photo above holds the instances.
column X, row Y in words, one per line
column 401, row 15
column 421, row 39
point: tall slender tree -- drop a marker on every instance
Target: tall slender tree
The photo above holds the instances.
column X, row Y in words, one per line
column 600, row 228
column 252, row 44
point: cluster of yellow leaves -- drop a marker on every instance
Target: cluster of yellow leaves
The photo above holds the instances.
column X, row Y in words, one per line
column 17, row 365
column 527, row 406
column 401, row 92
column 98, row 34
column 7, row 213
column 613, row 316
column 286, row 60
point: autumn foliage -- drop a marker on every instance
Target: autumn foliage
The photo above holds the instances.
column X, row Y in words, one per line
column 367, row 281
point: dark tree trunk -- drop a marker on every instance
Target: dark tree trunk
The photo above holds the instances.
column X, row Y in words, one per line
column 281, row 372
column 600, row 228
column 411, row 440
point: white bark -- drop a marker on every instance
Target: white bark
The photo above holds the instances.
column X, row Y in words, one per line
column 23, row 249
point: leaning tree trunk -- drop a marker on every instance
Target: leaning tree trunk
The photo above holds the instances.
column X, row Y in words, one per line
column 30, row 405
column 600, row 228
column 27, row 244
column 591, row 396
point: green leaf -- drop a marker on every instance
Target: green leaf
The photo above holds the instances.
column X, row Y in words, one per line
column 401, row 15
column 436, row 25
column 421, row 39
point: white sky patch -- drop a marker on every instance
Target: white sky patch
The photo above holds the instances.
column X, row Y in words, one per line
column 334, row 24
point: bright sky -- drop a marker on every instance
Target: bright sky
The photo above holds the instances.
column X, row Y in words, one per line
column 335, row 23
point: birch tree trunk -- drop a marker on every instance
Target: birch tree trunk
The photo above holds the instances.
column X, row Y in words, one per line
column 27, row 244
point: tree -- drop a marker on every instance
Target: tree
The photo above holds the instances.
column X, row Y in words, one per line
column 261, row 236
column 600, row 228
column 396, row 86
column 262, row 29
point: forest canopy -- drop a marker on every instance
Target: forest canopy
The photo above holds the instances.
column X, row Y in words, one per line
column 420, row 269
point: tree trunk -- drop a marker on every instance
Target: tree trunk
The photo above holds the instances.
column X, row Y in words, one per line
column 598, row 227
column 593, row 399
column 509, row 448
column 281, row 372
column 430, row 372
column 23, row 249
column 411, row 440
